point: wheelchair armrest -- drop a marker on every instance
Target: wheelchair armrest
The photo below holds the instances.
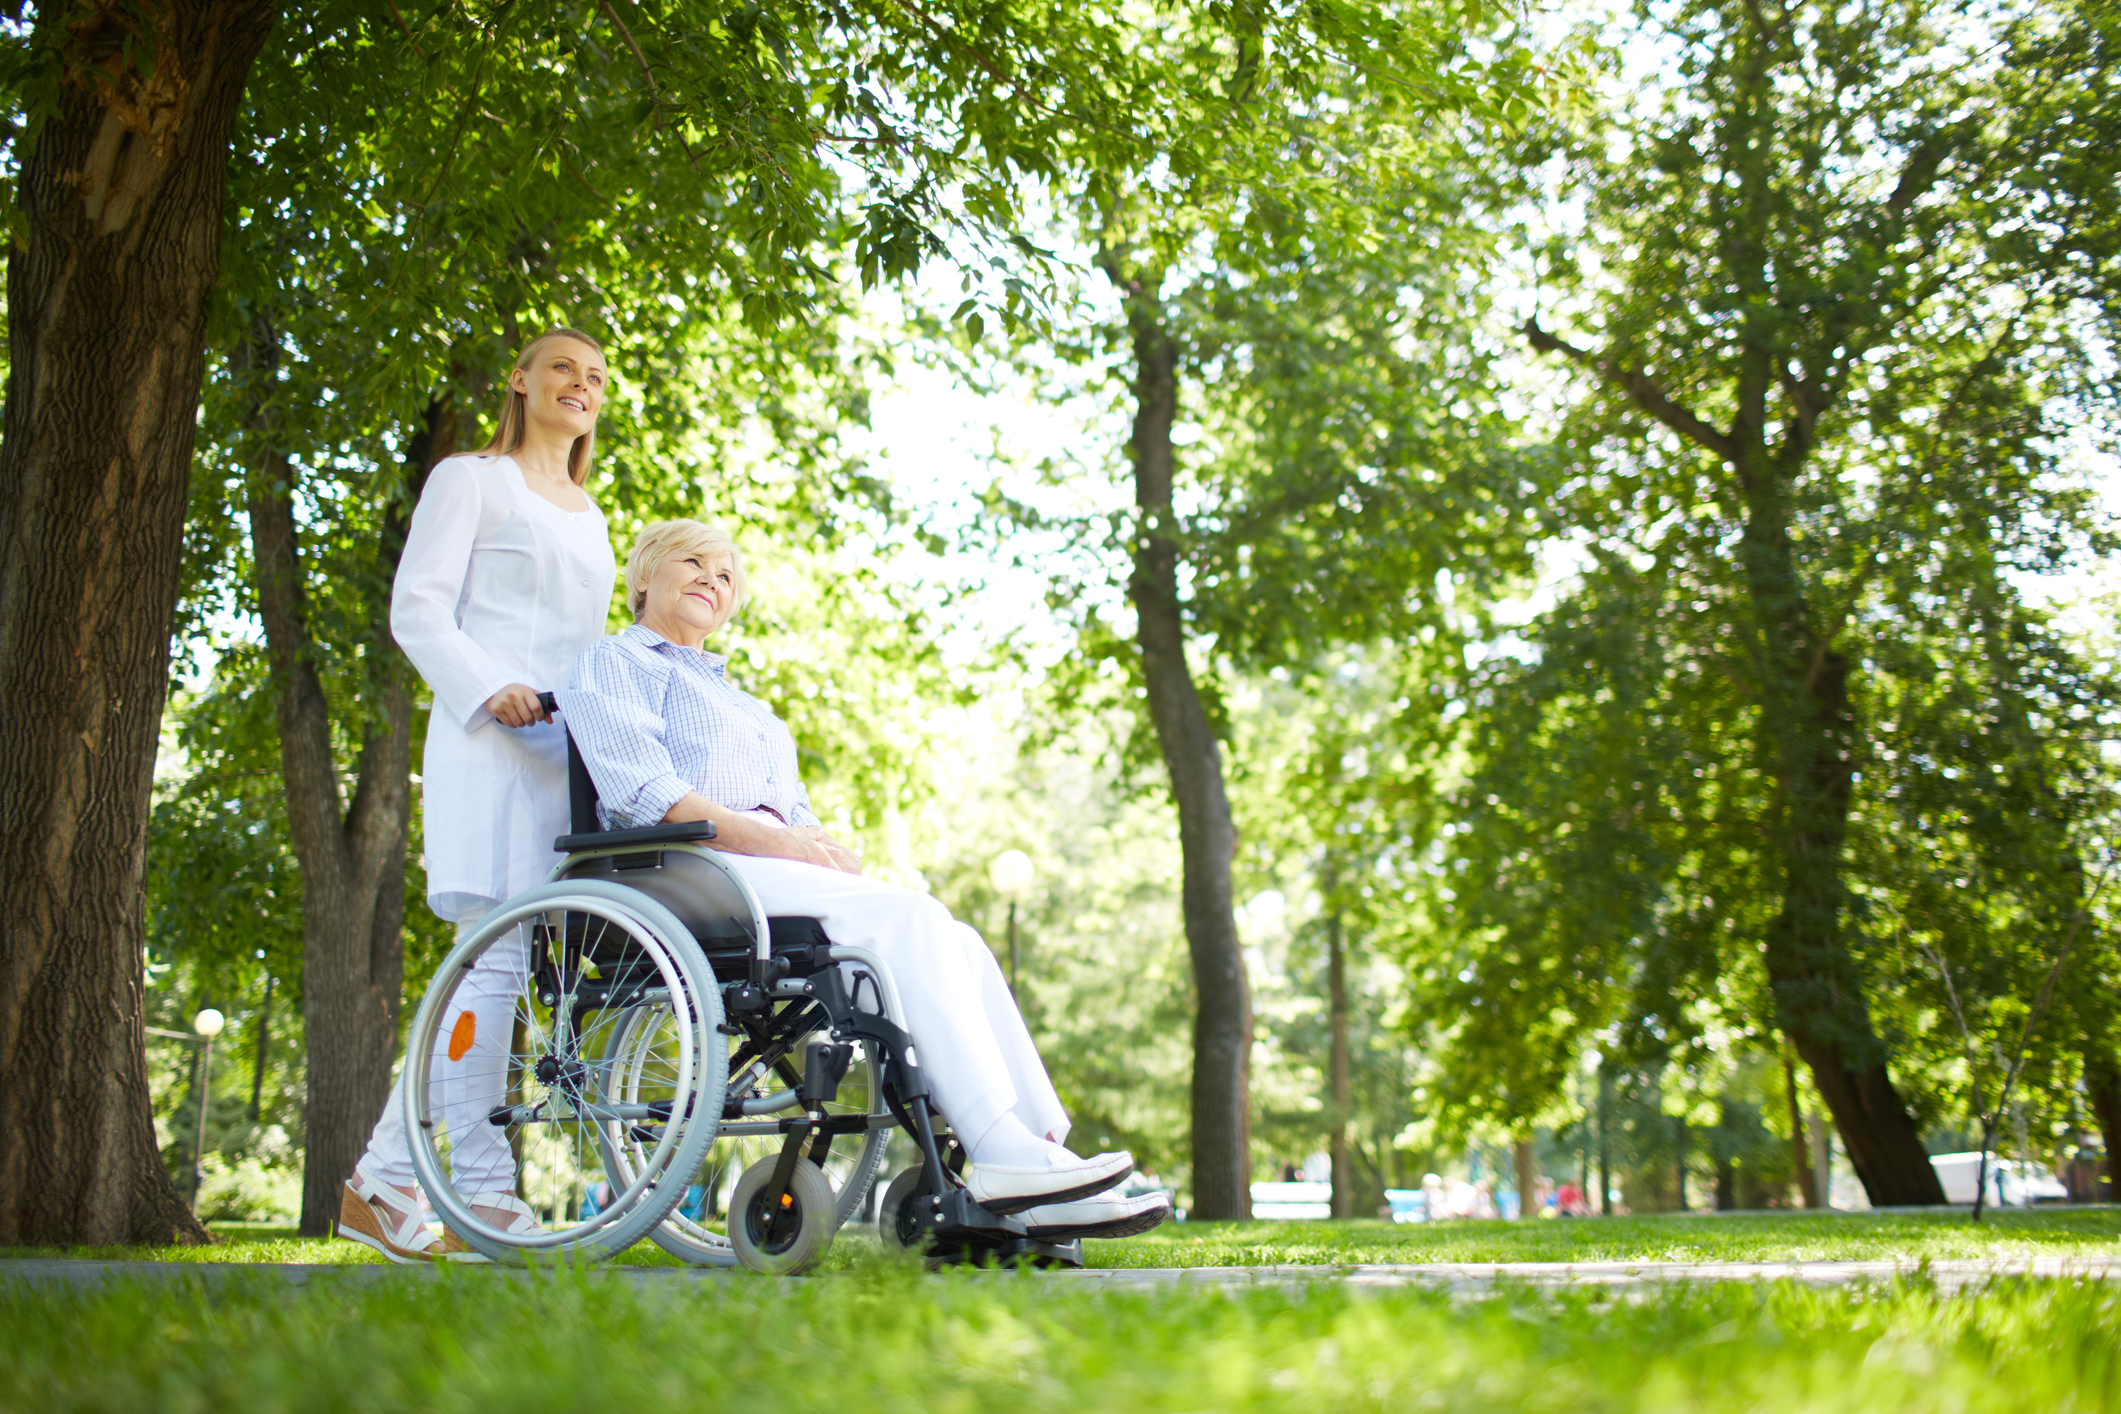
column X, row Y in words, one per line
column 683, row 832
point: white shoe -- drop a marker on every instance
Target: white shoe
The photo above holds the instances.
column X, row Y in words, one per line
column 1003, row 1190
column 1106, row 1214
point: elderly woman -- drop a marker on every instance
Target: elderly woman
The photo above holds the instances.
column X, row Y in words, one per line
column 668, row 738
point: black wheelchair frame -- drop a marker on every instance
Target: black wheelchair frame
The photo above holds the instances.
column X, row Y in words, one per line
column 773, row 997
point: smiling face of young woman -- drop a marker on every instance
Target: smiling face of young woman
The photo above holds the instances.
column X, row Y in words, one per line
column 563, row 389
column 691, row 596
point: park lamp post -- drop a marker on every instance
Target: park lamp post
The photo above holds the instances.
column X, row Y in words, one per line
column 1011, row 874
column 208, row 1024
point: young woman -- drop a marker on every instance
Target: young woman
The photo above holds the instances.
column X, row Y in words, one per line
column 506, row 578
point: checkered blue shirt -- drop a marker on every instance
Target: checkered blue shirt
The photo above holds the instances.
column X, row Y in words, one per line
column 656, row 721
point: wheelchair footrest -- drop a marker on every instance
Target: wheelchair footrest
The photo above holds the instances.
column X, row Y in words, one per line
column 1016, row 1252
column 955, row 1218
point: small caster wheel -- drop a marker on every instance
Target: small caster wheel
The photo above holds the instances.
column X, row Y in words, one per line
column 789, row 1239
column 894, row 1223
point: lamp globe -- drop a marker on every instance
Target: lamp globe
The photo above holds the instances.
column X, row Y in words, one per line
column 1011, row 874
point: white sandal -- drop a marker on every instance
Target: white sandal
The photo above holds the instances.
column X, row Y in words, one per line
column 521, row 1221
column 408, row 1243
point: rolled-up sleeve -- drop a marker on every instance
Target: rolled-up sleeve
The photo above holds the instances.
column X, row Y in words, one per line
column 423, row 598
column 612, row 705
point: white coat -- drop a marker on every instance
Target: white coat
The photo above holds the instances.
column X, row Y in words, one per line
column 497, row 585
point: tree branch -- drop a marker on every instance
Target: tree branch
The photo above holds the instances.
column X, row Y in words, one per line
column 405, row 29
column 655, row 94
column 1643, row 389
column 1920, row 173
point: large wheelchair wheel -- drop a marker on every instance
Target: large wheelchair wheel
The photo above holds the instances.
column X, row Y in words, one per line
column 510, row 1064
column 763, row 1081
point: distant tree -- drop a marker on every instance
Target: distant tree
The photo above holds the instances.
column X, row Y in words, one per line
column 1826, row 363
column 1302, row 285
column 1343, row 778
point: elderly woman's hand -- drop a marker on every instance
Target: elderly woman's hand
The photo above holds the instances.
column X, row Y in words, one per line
column 745, row 834
column 817, row 847
column 846, row 858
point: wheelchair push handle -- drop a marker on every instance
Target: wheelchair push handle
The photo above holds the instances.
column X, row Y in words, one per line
column 549, row 702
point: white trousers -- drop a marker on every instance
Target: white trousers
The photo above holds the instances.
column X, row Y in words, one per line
column 469, row 1087
column 970, row 1040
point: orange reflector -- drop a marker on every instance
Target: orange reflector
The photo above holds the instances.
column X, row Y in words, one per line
column 787, row 1200
column 462, row 1034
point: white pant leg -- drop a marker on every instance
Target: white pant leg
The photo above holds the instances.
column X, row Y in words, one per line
column 969, row 1038
column 1036, row 1103
column 468, row 1089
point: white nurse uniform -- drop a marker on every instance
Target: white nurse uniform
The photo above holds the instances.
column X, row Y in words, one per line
column 497, row 585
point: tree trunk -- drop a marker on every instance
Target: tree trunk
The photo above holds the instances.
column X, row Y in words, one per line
column 352, row 857
column 115, row 253
column 1527, row 1158
column 1222, row 1022
column 1605, row 1139
column 2102, row 1088
column 1337, row 998
column 264, row 1043
column 1800, row 1145
column 1679, row 1138
column 1808, row 730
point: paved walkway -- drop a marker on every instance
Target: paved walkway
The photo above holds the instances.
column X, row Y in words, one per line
column 1474, row 1278
column 1459, row 1278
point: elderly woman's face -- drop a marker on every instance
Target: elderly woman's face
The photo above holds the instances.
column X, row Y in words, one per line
column 691, row 595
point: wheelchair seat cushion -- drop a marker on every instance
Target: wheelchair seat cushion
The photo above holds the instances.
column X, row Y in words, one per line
column 790, row 933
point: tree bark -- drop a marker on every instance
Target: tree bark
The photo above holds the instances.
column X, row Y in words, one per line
column 115, row 255
column 1222, row 1022
column 2102, row 1068
column 1800, row 1144
column 2102, row 1082
column 352, row 855
column 1605, row 1139
column 264, row 1044
column 1337, row 1000
column 1525, row 1154
column 1679, row 1144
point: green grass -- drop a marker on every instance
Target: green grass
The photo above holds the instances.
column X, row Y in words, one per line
column 2053, row 1232
column 881, row 1337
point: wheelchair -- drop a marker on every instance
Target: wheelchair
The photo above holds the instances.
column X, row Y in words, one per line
column 668, row 1039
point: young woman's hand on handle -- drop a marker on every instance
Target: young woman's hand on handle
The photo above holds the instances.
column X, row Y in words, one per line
column 517, row 706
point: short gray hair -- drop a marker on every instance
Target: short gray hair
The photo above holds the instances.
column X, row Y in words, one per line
column 668, row 538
